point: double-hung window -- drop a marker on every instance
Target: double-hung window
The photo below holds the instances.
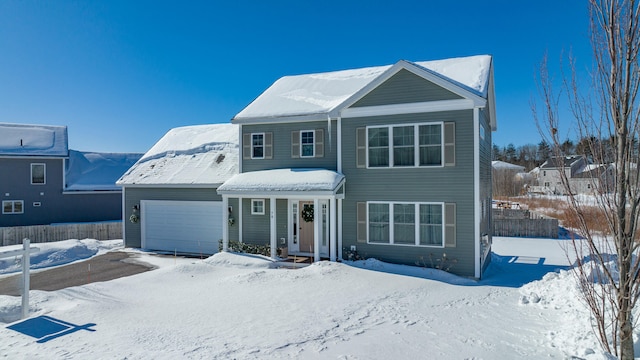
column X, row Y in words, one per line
column 307, row 147
column 12, row 206
column 38, row 174
column 257, row 146
column 410, row 145
column 406, row 223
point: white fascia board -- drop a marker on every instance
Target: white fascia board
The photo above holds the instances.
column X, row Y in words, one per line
column 491, row 96
column 281, row 119
column 282, row 194
column 410, row 108
column 93, row 192
column 34, row 157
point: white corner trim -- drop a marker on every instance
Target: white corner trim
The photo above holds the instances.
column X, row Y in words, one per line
column 339, row 143
column 476, row 191
column 410, row 108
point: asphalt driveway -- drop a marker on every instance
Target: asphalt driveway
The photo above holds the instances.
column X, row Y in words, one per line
column 109, row 266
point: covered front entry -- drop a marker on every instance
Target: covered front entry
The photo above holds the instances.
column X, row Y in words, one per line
column 302, row 229
column 313, row 199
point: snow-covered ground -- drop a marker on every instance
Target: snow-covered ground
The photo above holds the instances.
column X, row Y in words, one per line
column 240, row 306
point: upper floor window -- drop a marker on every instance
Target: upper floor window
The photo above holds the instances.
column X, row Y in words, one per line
column 38, row 176
column 12, row 206
column 307, row 143
column 307, row 147
column 257, row 146
column 405, row 146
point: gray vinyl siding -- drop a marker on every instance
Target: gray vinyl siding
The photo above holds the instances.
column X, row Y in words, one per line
column 405, row 87
column 451, row 184
column 256, row 228
column 485, row 188
column 282, row 147
column 55, row 206
column 133, row 196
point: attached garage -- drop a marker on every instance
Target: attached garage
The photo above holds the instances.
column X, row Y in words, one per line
column 192, row 227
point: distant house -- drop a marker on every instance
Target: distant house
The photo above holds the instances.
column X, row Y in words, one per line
column 43, row 182
column 169, row 195
column 583, row 177
column 390, row 162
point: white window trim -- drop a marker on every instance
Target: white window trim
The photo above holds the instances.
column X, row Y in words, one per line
column 253, row 212
column 312, row 144
column 416, row 145
column 263, row 145
column 44, row 174
column 416, row 223
column 13, row 206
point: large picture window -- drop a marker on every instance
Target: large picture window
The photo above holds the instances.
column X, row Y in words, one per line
column 410, row 145
column 405, row 223
column 38, row 176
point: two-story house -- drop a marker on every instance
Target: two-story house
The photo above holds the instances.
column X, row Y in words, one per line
column 390, row 162
column 43, row 182
column 582, row 176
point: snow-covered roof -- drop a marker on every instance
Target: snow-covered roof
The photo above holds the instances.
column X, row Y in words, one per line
column 90, row 171
column 558, row 161
column 284, row 181
column 33, row 140
column 323, row 92
column 190, row 155
column 501, row 165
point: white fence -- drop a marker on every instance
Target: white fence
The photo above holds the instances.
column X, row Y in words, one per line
column 48, row 233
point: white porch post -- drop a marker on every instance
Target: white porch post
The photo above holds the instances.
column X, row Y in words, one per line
column 340, row 229
column 272, row 226
column 317, row 222
column 239, row 218
column 225, row 223
column 332, row 229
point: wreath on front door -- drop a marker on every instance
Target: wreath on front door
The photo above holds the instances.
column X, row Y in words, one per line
column 307, row 213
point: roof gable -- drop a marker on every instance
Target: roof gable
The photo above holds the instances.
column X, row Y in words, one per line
column 33, row 140
column 316, row 96
column 405, row 87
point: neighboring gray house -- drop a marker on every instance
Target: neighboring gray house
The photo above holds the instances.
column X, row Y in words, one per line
column 43, row 182
column 583, row 177
column 169, row 195
column 391, row 162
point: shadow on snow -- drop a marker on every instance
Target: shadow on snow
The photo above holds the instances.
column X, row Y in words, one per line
column 45, row 328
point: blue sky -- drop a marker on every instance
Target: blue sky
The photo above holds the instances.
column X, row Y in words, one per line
column 120, row 74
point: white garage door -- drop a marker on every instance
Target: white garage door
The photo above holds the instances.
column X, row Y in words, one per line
column 184, row 226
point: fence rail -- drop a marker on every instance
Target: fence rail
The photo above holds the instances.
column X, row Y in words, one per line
column 523, row 223
column 48, row 233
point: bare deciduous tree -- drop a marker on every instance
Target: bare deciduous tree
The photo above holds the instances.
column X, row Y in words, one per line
column 607, row 264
